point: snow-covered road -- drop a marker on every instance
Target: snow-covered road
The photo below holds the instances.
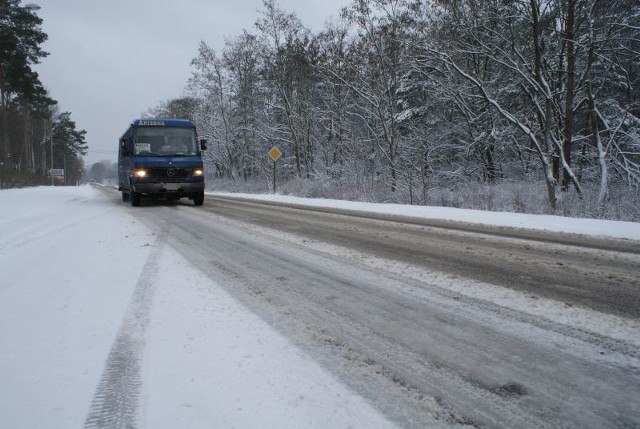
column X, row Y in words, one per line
column 175, row 316
column 83, row 281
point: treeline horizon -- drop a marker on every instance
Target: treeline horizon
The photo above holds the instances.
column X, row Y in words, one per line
column 398, row 98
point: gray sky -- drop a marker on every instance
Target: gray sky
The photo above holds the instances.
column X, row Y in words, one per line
column 110, row 61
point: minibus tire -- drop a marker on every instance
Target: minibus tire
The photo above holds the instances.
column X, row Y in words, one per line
column 135, row 199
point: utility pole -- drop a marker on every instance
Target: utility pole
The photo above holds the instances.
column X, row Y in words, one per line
column 51, row 169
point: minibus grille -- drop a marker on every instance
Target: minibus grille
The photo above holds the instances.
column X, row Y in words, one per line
column 170, row 173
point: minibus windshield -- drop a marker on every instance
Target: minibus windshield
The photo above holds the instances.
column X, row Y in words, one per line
column 165, row 141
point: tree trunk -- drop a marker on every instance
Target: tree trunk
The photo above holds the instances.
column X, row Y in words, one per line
column 490, row 166
column 571, row 83
column 602, row 161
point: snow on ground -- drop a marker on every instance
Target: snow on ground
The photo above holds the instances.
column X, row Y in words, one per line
column 71, row 260
column 608, row 228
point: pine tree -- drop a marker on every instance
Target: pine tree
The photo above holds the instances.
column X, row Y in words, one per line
column 20, row 40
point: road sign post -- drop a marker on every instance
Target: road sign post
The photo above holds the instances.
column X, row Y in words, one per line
column 274, row 153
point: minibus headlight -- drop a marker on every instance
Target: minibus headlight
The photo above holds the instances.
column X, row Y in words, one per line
column 198, row 172
column 140, row 172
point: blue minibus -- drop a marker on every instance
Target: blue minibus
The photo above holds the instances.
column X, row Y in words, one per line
column 161, row 158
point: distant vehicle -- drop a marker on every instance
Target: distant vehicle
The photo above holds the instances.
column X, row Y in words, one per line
column 161, row 158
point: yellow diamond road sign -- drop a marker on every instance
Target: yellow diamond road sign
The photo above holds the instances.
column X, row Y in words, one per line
column 275, row 153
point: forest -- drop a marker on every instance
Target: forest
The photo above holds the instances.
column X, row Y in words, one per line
column 524, row 105
column 36, row 139
column 520, row 105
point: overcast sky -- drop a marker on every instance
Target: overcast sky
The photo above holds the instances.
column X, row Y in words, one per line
column 110, row 61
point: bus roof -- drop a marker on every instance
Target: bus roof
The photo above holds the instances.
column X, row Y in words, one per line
column 162, row 122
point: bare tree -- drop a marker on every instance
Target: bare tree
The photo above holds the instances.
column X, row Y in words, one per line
column 288, row 73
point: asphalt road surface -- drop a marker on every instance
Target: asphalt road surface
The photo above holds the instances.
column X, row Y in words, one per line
column 380, row 302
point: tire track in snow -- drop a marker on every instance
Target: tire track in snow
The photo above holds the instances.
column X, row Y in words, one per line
column 115, row 402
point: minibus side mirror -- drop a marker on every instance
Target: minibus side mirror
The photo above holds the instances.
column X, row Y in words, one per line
column 124, row 146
